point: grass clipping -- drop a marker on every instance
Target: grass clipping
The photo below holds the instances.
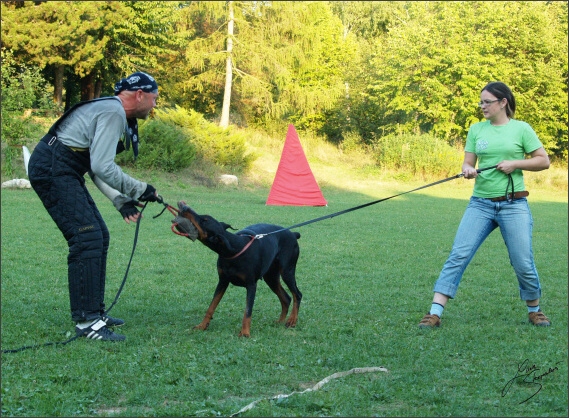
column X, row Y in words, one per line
column 316, row 386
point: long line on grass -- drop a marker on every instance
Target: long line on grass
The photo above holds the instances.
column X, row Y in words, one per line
column 315, row 387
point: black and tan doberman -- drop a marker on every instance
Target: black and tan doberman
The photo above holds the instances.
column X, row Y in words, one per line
column 244, row 258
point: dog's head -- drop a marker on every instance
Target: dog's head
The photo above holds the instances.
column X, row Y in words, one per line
column 207, row 229
column 184, row 224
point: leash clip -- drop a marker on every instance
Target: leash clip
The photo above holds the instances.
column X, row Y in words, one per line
column 259, row 236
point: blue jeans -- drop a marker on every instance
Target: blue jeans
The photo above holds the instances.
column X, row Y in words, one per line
column 481, row 217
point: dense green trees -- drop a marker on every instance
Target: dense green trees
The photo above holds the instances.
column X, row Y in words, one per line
column 429, row 70
column 88, row 43
column 60, row 36
column 287, row 61
column 340, row 68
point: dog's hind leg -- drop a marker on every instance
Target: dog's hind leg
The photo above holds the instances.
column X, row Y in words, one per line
column 272, row 278
column 290, row 280
column 217, row 295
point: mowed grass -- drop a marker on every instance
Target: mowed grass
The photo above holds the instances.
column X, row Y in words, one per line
column 366, row 278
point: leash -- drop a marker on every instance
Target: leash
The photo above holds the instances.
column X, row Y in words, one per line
column 175, row 211
column 332, row 215
column 130, row 260
column 26, row 347
column 253, row 238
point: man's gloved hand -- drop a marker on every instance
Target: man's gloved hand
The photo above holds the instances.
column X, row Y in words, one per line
column 149, row 194
column 127, row 207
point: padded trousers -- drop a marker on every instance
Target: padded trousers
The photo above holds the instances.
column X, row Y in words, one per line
column 56, row 174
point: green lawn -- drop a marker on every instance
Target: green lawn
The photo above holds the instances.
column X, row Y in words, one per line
column 366, row 278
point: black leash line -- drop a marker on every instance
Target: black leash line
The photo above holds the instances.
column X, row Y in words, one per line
column 130, row 260
column 26, row 347
column 332, row 215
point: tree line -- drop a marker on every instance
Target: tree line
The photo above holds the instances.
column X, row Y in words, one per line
column 341, row 69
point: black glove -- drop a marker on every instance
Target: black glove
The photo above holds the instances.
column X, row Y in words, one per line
column 129, row 209
column 126, row 205
column 149, row 195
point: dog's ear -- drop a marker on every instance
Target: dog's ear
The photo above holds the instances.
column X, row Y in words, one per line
column 226, row 226
column 222, row 240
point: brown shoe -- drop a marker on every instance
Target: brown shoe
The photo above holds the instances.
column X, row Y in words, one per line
column 539, row 319
column 430, row 321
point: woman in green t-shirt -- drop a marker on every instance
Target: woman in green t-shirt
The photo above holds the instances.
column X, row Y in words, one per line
column 498, row 201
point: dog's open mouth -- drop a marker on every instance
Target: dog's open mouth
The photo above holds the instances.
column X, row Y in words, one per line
column 184, row 226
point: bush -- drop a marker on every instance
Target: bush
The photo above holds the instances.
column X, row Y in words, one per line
column 163, row 146
column 417, row 154
column 224, row 147
column 22, row 88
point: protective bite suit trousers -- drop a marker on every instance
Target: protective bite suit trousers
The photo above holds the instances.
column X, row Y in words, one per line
column 56, row 174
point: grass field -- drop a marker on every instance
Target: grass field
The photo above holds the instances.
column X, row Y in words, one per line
column 366, row 277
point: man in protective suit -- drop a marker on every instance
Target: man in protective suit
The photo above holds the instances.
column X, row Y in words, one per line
column 85, row 140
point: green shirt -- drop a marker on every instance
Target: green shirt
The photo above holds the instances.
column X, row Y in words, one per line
column 494, row 144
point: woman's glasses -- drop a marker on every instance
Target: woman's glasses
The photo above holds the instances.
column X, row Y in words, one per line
column 487, row 102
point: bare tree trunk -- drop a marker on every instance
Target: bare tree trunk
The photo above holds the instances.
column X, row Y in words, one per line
column 98, row 87
column 58, row 84
column 224, row 121
column 87, row 87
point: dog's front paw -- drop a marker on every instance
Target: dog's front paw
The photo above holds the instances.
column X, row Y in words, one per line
column 291, row 323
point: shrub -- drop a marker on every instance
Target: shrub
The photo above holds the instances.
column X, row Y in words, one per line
column 163, row 146
column 22, row 88
column 417, row 154
column 352, row 142
column 224, row 147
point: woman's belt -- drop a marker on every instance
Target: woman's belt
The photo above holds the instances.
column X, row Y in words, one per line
column 516, row 195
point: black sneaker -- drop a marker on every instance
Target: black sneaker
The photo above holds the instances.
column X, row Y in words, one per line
column 99, row 331
column 112, row 322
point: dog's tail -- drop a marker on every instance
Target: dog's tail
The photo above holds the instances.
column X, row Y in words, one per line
column 297, row 235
